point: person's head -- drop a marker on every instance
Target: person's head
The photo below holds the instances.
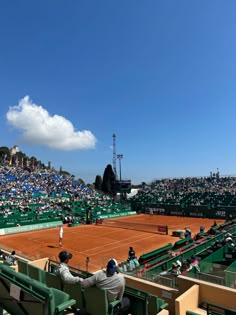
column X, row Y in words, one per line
column 13, row 252
column 174, row 265
column 64, row 256
column 179, row 263
column 112, row 266
column 131, row 248
column 188, row 261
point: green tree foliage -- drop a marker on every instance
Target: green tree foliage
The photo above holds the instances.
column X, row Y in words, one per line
column 62, row 172
column 108, row 180
column 98, row 182
column 4, row 153
column 33, row 160
column 5, row 156
column 81, row 181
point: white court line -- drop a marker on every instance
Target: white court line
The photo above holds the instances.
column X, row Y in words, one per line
column 133, row 240
column 126, row 241
column 180, row 227
column 103, row 235
column 136, row 239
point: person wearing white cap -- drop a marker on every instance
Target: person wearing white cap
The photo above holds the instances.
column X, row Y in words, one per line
column 111, row 280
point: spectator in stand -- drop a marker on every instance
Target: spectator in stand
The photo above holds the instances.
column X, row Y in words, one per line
column 131, row 254
column 132, row 259
column 187, row 233
column 186, row 266
column 176, row 268
column 229, row 240
column 111, row 280
column 1, row 254
column 63, row 270
column 202, row 228
column 195, row 263
column 11, row 259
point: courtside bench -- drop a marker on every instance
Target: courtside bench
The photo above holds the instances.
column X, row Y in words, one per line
column 145, row 258
column 21, row 295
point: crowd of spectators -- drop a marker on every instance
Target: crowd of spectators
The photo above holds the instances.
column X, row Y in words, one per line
column 194, row 190
column 22, row 189
column 30, row 184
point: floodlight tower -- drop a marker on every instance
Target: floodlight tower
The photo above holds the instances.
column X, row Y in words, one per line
column 114, row 154
column 119, row 157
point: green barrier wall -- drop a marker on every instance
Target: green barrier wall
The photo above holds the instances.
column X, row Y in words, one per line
column 115, row 215
column 26, row 228
column 230, row 275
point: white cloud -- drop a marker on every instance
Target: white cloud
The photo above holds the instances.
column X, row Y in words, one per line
column 38, row 127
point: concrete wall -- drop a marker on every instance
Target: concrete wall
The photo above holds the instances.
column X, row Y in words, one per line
column 29, row 227
column 163, row 312
column 210, row 292
column 165, row 293
column 187, row 301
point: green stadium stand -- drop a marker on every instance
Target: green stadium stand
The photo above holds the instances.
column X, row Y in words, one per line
column 20, row 295
column 230, row 275
column 200, row 249
column 143, row 303
column 36, row 273
column 192, row 313
column 53, row 281
column 153, row 254
column 74, row 290
column 156, row 304
column 178, row 244
column 96, row 302
column 23, row 266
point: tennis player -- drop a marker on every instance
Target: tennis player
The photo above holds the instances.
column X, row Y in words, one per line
column 60, row 235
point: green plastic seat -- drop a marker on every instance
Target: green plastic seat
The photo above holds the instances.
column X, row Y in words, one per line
column 96, row 302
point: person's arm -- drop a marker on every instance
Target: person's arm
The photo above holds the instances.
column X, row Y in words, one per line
column 68, row 278
column 89, row 282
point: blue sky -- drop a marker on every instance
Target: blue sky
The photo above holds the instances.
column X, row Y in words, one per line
column 159, row 74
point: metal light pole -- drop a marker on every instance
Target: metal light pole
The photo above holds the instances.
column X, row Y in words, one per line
column 119, row 157
column 87, row 263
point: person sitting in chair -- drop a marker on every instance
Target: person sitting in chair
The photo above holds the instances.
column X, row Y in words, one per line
column 112, row 281
column 132, row 259
column 11, row 259
column 131, row 254
column 63, row 270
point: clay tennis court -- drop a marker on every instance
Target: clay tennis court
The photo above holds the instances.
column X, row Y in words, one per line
column 100, row 242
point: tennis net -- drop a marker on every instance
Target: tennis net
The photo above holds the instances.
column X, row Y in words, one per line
column 138, row 226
